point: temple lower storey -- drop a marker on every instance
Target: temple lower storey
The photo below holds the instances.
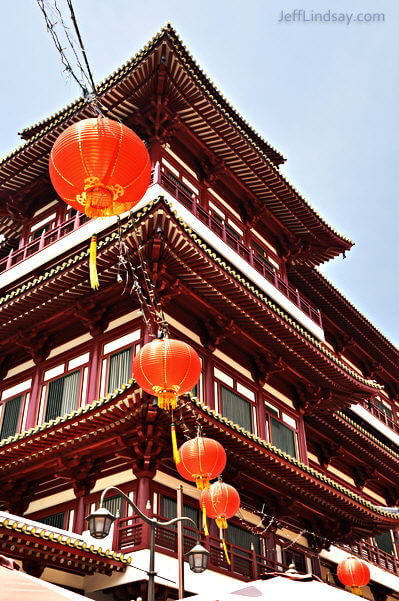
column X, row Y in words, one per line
column 296, row 384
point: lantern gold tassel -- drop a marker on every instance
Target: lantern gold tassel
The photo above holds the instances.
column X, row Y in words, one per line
column 225, row 551
column 356, row 590
column 93, row 264
column 206, row 531
column 174, row 444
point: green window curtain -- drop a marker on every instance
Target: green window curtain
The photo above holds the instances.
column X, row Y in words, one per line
column 236, row 408
column 297, row 559
column 382, row 407
column 169, row 511
column 40, row 231
column 195, row 390
column 119, row 370
column 242, row 538
column 11, row 413
column 384, row 542
column 57, row 520
column 114, row 504
column 62, row 396
column 283, row 437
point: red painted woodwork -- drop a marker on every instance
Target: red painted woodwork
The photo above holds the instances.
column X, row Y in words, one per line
column 100, row 166
column 353, row 572
column 190, row 203
column 201, row 459
column 167, row 368
column 221, row 502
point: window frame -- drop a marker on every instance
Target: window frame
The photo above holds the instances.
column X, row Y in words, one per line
column 23, row 380
column 134, row 346
column 269, row 405
column 65, row 361
column 237, row 381
column 50, row 224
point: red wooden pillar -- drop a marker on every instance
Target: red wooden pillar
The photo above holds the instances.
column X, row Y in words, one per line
column 143, row 501
column 303, row 449
column 79, row 516
column 262, row 427
column 209, row 388
column 155, row 154
column 94, row 372
column 34, row 400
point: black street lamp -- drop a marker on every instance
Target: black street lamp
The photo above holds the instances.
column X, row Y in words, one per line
column 101, row 520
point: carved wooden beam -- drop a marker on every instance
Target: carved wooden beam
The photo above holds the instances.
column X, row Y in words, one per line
column 92, row 314
column 214, row 330
column 35, row 342
column 264, row 366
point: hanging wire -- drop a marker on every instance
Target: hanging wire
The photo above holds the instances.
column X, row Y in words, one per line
column 53, row 17
column 51, row 25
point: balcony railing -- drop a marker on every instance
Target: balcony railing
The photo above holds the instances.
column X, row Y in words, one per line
column 374, row 555
column 44, row 241
column 191, row 203
column 381, row 415
column 245, row 564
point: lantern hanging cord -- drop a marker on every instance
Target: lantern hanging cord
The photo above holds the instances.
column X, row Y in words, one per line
column 85, row 80
column 153, row 305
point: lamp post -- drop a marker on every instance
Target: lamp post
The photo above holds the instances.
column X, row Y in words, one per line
column 101, row 520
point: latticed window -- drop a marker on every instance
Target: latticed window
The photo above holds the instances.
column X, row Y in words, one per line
column 11, row 417
column 236, row 408
column 62, row 395
column 283, row 437
column 282, row 429
column 240, row 537
column 383, row 408
column 169, row 511
column 56, row 520
column 114, row 505
column 119, row 370
column 384, row 542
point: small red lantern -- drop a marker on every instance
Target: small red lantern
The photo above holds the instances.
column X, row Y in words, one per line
column 201, row 459
column 100, row 167
column 220, row 501
column 353, row 572
column 167, row 368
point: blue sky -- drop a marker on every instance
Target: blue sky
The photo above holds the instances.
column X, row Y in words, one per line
column 324, row 94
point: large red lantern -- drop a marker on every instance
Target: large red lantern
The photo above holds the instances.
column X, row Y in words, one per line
column 353, row 572
column 100, row 167
column 167, row 368
column 201, row 459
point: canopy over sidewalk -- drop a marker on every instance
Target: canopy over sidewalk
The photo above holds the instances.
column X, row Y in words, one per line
column 18, row 586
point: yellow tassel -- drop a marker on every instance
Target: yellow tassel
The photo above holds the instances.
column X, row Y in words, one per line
column 92, row 263
column 206, row 531
column 202, row 482
column 167, row 400
column 174, row 444
column 225, row 551
column 356, row 591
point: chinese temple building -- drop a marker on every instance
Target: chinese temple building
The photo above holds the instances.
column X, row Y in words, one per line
column 297, row 385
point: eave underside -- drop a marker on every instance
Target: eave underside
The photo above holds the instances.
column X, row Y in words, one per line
column 135, row 98
column 265, row 472
column 206, row 286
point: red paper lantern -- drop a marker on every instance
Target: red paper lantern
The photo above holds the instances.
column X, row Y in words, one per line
column 353, row 572
column 201, row 460
column 167, row 368
column 100, row 167
column 220, row 501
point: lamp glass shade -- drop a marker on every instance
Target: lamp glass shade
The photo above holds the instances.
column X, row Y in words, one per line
column 100, row 522
column 198, row 559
